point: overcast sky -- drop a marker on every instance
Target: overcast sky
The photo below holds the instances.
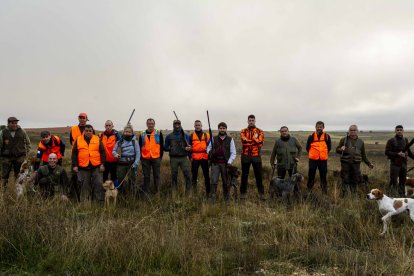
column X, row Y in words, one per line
column 288, row 62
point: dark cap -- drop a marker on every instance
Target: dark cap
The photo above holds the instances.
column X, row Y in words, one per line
column 177, row 122
column 44, row 133
column 12, row 119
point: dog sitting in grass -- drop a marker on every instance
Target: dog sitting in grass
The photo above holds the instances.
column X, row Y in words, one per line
column 24, row 180
column 284, row 187
column 110, row 192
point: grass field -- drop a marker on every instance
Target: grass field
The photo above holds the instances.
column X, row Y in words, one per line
column 321, row 235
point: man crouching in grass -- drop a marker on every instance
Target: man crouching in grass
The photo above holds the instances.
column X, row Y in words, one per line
column 53, row 179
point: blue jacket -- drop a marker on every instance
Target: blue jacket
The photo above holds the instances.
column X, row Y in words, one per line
column 130, row 152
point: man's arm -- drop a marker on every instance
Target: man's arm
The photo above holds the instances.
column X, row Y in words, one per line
column 102, row 152
column 299, row 147
column 232, row 152
column 328, row 142
column 27, row 141
column 364, row 155
column 161, row 145
column 273, row 155
column 309, row 142
column 340, row 145
column 75, row 154
column 167, row 143
column 62, row 147
column 389, row 149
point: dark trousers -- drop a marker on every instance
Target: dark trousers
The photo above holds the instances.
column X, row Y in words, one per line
column 195, row 164
column 147, row 164
column 9, row 164
column 350, row 173
column 126, row 180
column 398, row 174
column 314, row 165
column 256, row 162
column 110, row 168
column 90, row 183
column 216, row 171
column 281, row 172
column 183, row 163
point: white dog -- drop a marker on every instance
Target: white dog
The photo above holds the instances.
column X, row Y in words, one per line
column 389, row 207
column 25, row 180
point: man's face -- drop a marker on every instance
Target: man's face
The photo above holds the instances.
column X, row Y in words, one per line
column 284, row 132
column 88, row 132
column 150, row 125
column 82, row 120
column 222, row 130
column 46, row 139
column 12, row 125
column 198, row 126
column 399, row 132
column 251, row 122
column 109, row 126
column 127, row 132
column 319, row 128
column 353, row 132
column 177, row 126
column 52, row 160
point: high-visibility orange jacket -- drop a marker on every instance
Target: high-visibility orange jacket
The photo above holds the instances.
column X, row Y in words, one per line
column 109, row 144
column 199, row 146
column 318, row 148
column 88, row 152
column 252, row 141
column 54, row 148
column 150, row 147
column 75, row 133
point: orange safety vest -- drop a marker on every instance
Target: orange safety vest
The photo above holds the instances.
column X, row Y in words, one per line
column 109, row 144
column 199, row 146
column 55, row 148
column 252, row 147
column 150, row 145
column 88, row 153
column 318, row 148
column 76, row 132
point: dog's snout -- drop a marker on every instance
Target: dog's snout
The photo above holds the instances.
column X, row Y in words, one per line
column 367, row 196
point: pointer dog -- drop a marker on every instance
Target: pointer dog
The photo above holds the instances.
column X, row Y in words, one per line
column 389, row 207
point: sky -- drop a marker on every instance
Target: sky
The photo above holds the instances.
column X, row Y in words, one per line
column 290, row 62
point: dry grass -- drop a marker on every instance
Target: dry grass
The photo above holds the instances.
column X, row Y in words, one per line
column 321, row 235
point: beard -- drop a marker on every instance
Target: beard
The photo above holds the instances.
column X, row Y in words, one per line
column 222, row 133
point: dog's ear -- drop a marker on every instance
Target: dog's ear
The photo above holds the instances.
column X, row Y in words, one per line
column 378, row 194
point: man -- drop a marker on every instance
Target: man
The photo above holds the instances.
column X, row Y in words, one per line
column 318, row 146
column 77, row 130
column 151, row 143
column 49, row 144
column 352, row 150
column 199, row 157
column 88, row 157
column 397, row 149
column 286, row 153
column 222, row 152
column 109, row 138
column 252, row 142
column 14, row 148
column 177, row 144
column 53, row 179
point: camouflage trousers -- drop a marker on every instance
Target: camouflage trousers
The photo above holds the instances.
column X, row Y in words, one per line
column 7, row 164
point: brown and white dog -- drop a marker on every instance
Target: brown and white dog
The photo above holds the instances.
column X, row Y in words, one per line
column 409, row 187
column 25, row 180
column 110, row 192
column 389, row 207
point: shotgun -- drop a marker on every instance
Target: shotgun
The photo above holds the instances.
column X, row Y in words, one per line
column 182, row 131
column 119, row 149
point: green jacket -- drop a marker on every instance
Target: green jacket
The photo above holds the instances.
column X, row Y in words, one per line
column 285, row 151
column 57, row 178
column 354, row 151
column 14, row 143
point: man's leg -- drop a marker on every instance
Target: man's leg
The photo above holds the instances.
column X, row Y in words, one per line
column 281, row 172
column 174, row 173
column 257, row 169
column 146, row 171
column 194, row 173
column 394, row 174
column 112, row 170
column 245, row 162
column 354, row 177
column 402, row 179
column 345, row 173
column 84, row 179
column 204, row 167
column 185, row 167
column 156, row 167
column 106, row 172
column 323, row 171
column 6, row 166
column 96, row 182
column 226, row 188
column 311, row 173
column 215, row 172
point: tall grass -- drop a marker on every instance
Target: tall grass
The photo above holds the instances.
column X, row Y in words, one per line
column 188, row 235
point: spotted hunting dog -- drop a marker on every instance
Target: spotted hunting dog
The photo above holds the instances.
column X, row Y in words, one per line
column 389, row 207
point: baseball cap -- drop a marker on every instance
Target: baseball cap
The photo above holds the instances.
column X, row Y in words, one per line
column 12, row 119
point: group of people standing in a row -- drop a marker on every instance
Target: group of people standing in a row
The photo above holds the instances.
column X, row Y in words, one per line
column 116, row 156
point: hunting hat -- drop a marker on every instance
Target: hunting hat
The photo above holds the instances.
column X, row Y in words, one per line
column 83, row 115
column 12, row 119
column 177, row 122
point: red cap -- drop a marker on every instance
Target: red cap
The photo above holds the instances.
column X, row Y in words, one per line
column 83, row 115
